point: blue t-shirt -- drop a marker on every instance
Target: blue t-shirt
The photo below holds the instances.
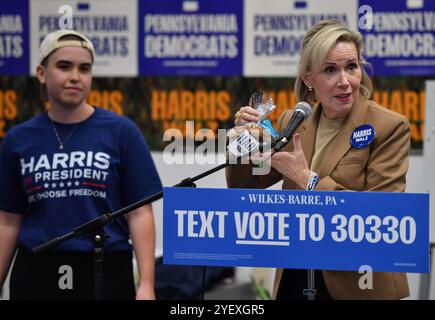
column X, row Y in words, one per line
column 105, row 165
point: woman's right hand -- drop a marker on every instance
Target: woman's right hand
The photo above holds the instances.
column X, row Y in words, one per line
column 245, row 115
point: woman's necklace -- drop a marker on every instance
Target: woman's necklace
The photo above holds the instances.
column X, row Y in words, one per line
column 62, row 143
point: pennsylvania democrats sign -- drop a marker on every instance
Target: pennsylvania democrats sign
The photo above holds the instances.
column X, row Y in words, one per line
column 14, row 33
column 110, row 25
column 297, row 229
column 274, row 30
column 191, row 37
column 399, row 36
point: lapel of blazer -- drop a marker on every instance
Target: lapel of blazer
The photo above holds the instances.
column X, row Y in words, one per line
column 341, row 143
column 308, row 133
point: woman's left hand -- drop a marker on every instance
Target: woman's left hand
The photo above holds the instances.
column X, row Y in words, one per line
column 293, row 165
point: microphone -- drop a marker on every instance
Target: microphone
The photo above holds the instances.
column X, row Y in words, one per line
column 301, row 112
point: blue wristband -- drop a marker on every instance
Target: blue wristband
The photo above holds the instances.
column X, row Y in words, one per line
column 312, row 181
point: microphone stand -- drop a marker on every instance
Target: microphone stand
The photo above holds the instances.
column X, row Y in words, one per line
column 95, row 227
column 310, row 291
column 99, row 236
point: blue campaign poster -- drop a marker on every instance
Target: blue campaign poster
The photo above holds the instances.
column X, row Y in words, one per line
column 14, row 37
column 323, row 230
column 191, row 37
column 399, row 36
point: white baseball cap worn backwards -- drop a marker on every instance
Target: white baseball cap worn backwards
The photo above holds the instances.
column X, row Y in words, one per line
column 53, row 41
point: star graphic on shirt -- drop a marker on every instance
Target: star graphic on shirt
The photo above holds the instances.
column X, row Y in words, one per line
column 69, row 183
column 46, row 185
column 53, row 185
column 77, row 183
column 61, row 184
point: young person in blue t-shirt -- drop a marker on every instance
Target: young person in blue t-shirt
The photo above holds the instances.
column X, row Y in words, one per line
column 64, row 168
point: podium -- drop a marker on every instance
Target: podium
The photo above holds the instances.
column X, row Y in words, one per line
column 322, row 230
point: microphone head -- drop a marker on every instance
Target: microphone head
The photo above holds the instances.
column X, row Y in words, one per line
column 304, row 108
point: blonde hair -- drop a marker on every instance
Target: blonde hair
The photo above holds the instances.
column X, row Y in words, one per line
column 316, row 45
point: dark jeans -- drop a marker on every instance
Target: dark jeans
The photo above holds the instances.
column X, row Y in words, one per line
column 70, row 275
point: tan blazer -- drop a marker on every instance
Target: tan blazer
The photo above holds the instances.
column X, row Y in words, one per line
column 382, row 166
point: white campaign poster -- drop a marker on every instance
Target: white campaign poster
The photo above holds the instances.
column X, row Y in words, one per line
column 429, row 152
column 429, row 175
column 274, row 30
column 110, row 24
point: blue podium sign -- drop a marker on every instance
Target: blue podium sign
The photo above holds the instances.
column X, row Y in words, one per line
column 399, row 36
column 296, row 229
